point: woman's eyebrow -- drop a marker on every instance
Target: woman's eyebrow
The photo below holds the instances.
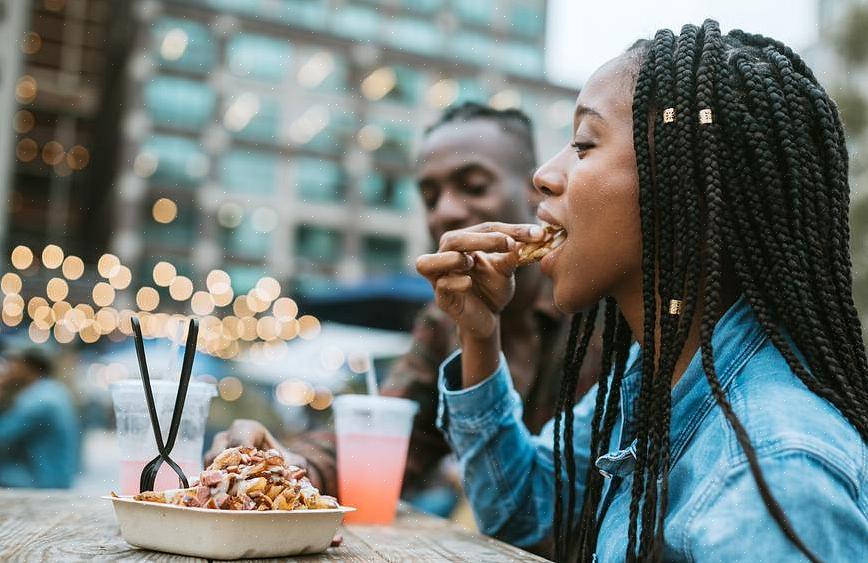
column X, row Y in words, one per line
column 585, row 111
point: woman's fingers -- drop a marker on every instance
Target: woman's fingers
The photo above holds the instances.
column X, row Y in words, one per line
column 469, row 241
column 435, row 265
column 521, row 232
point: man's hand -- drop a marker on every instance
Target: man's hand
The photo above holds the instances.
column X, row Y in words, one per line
column 249, row 433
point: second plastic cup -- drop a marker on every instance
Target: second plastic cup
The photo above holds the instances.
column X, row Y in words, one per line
column 373, row 433
column 136, row 436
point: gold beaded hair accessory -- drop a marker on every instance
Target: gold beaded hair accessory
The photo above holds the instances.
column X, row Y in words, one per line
column 705, row 116
column 675, row 307
column 669, row 115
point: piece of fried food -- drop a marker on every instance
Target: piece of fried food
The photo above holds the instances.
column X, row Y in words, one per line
column 531, row 252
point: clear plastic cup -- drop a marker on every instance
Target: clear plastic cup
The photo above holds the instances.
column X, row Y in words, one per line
column 136, row 436
column 373, row 433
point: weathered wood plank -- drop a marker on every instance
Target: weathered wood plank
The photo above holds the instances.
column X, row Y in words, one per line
column 60, row 526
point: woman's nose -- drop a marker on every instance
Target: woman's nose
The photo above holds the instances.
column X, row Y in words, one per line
column 550, row 178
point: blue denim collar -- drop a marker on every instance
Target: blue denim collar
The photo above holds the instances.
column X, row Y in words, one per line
column 736, row 338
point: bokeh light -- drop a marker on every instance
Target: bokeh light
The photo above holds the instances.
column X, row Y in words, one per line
column 294, row 392
column 24, row 121
column 147, row 299
column 26, row 150
column 122, row 278
column 73, row 267
column 22, row 257
column 181, row 288
column 108, row 265
column 77, row 158
column 309, row 327
column 230, row 388
column 26, row 89
column 202, row 303
column 218, row 282
column 284, row 309
column 164, row 273
column 322, row 399
column 10, row 283
column 103, row 294
column 52, row 256
column 164, row 210
column 53, row 153
column 56, row 289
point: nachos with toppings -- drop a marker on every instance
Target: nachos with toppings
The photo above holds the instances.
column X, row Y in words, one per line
column 245, row 478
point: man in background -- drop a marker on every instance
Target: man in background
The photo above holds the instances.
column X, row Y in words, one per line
column 38, row 427
column 476, row 164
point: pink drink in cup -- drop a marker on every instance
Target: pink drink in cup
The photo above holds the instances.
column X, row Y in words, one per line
column 372, row 437
column 136, row 436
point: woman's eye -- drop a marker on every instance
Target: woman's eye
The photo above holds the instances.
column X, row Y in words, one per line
column 581, row 148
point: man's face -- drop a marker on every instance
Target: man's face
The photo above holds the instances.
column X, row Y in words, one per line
column 471, row 172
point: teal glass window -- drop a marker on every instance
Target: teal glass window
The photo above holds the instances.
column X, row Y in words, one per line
column 527, row 19
column 523, row 59
column 180, row 233
column 356, row 22
column 184, row 45
column 474, row 48
column 422, row 6
column 179, row 161
column 319, row 245
column 319, row 180
column 397, row 142
column 251, row 172
column 311, row 14
column 383, row 254
column 178, row 102
column 415, row 36
column 245, row 241
column 322, row 71
column 254, row 117
column 386, row 191
column 409, row 86
column 471, row 90
column 258, row 57
column 243, row 278
column 477, row 12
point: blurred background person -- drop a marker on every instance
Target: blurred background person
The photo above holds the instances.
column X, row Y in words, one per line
column 39, row 434
column 475, row 165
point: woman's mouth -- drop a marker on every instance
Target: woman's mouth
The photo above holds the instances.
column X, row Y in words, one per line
column 555, row 235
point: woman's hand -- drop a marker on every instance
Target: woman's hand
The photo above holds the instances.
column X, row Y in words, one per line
column 472, row 274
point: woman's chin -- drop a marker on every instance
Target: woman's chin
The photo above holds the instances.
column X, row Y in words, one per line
column 570, row 300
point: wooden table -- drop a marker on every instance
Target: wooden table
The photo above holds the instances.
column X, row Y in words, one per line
column 60, row 526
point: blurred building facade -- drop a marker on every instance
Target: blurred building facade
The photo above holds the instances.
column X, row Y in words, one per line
column 277, row 136
column 61, row 62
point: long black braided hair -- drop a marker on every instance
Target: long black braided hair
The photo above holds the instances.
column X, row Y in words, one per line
column 755, row 192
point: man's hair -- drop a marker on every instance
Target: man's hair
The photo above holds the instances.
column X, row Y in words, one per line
column 512, row 121
column 742, row 167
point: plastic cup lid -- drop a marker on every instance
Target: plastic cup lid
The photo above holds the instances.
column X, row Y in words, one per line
column 375, row 403
column 160, row 386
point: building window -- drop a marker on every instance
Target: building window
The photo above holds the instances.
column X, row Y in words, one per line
column 180, row 233
column 249, row 172
column 178, row 102
column 422, row 6
column 474, row 48
column 478, row 12
column 388, row 192
column 413, row 35
column 322, row 71
column 245, row 241
column 383, row 254
column 356, row 22
column 526, row 19
column 258, row 57
column 252, row 117
column 173, row 160
column 184, row 45
column 319, row 180
column 318, row 245
column 522, row 58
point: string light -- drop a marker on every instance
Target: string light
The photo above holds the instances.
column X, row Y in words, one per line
column 10, row 283
column 147, row 298
column 56, row 289
column 34, row 304
column 218, row 282
column 309, row 327
column 284, row 309
column 53, row 153
column 52, row 256
column 181, row 288
column 24, row 122
column 164, row 211
column 121, row 279
column 202, row 303
column 164, row 274
column 26, row 150
column 73, row 267
column 231, row 388
column 103, row 294
column 22, row 257
column 77, row 158
column 108, row 265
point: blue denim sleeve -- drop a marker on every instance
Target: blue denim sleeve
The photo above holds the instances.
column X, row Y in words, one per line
column 22, row 419
column 508, row 474
column 821, row 501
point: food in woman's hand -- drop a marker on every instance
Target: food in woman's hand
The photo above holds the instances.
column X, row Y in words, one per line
column 247, row 478
column 531, row 252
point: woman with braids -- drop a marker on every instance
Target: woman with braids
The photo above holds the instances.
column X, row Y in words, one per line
column 704, row 199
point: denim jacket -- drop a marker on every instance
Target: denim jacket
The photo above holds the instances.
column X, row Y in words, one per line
column 814, row 461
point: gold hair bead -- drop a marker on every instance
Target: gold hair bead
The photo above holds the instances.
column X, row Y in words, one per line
column 705, row 116
column 669, row 115
column 675, row 307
